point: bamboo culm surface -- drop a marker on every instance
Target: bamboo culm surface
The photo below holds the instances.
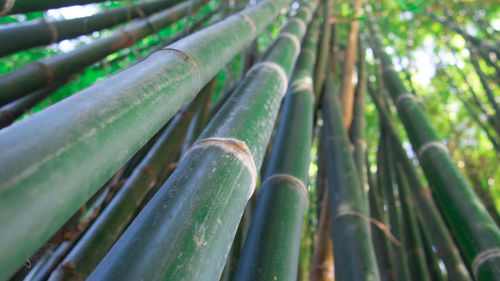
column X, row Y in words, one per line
column 44, row 72
column 475, row 231
column 200, row 220
column 21, row 36
column 272, row 245
column 82, row 140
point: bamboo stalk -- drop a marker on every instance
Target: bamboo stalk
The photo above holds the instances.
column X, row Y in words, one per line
column 92, row 247
column 415, row 250
column 42, row 73
column 81, row 141
column 475, row 231
column 8, row 7
column 271, row 250
column 430, row 256
column 21, row 36
column 323, row 50
column 185, row 231
column 349, row 222
column 441, row 236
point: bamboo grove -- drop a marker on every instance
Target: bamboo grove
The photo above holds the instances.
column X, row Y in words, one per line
column 248, row 140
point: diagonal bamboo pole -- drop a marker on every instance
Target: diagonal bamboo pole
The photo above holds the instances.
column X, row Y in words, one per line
column 271, row 250
column 53, row 161
column 26, row 35
column 185, row 231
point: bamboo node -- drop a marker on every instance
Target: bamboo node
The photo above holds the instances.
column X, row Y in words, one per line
column 376, row 222
column 281, row 72
column 250, row 22
column 404, row 96
column 303, row 86
column 7, row 6
column 52, row 29
column 482, row 257
column 310, row 52
column 193, row 63
column 302, row 25
column 294, row 39
column 47, row 71
column 286, row 177
column 428, row 145
column 233, row 146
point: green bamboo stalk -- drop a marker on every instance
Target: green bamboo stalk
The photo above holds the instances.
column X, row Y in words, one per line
column 358, row 125
column 271, row 250
column 380, row 242
column 415, row 251
column 349, row 218
column 475, row 231
column 13, row 110
column 430, row 256
column 42, row 73
column 398, row 252
column 324, row 49
column 26, row 35
column 8, row 7
column 185, row 231
column 427, row 210
column 92, row 247
column 81, row 141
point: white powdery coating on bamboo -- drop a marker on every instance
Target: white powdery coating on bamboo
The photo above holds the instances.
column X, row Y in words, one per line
column 483, row 257
column 277, row 68
column 404, row 96
column 289, row 178
column 233, row 146
column 296, row 87
column 430, row 144
column 294, row 39
column 6, row 7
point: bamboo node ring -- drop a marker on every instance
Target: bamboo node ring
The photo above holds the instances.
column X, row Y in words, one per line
column 233, row 146
column 302, row 25
column 47, row 71
column 294, row 39
column 310, row 52
column 403, row 96
column 376, row 222
column 430, row 144
column 308, row 12
column 289, row 178
column 7, row 6
column 250, row 22
column 193, row 63
column 272, row 65
column 52, row 29
column 482, row 257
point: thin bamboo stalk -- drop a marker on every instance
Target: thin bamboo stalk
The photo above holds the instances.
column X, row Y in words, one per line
column 92, row 247
column 185, row 231
column 21, row 36
column 8, row 7
column 42, row 73
column 81, row 141
column 430, row 256
column 271, row 250
column 349, row 218
column 323, row 50
column 427, row 210
column 475, row 231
